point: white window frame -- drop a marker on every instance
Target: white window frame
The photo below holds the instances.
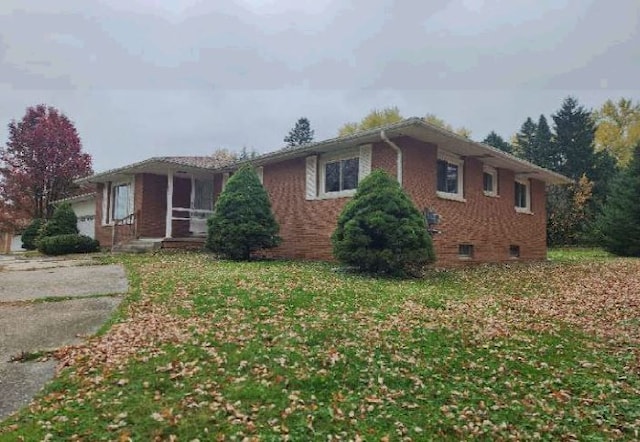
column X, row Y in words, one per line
column 457, row 161
column 527, row 183
column 326, row 159
column 494, row 174
column 260, row 172
column 316, row 171
column 108, row 195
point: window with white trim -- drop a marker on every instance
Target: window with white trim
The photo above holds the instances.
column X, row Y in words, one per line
column 337, row 175
column 522, row 192
column 120, row 196
column 490, row 181
column 117, row 201
column 260, row 173
column 340, row 175
column 450, row 181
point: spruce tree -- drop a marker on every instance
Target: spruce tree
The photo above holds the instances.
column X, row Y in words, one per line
column 544, row 149
column 381, row 231
column 575, row 131
column 242, row 222
column 495, row 140
column 301, row 134
column 526, row 139
column 619, row 221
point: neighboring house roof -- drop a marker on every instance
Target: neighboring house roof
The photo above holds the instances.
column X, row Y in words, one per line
column 413, row 127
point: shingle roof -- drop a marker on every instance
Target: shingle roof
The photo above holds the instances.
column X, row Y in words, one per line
column 208, row 162
column 415, row 126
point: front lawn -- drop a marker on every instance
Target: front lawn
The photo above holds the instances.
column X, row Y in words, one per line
column 282, row 350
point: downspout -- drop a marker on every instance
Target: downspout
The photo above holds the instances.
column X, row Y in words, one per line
column 395, row 147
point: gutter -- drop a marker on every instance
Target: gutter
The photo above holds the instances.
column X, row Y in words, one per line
column 395, row 147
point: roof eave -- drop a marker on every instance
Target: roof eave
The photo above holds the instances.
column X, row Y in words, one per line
column 140, row 166
column 548, row 176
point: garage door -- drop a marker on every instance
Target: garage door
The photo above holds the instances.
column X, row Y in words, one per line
column 86, row 225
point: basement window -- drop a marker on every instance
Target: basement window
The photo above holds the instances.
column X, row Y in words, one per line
column 465, row 251
column 514, row 251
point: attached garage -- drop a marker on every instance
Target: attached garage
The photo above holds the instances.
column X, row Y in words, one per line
column 84, row 207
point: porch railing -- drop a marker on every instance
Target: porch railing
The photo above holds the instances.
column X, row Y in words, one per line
column 198, row 223
column 120, row 234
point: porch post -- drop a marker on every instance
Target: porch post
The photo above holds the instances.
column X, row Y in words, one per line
column 168, row 230
column 193, row 193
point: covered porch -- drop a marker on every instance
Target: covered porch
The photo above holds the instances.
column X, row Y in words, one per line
column 163, row 201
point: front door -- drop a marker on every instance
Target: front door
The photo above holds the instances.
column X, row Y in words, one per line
column 201, row 206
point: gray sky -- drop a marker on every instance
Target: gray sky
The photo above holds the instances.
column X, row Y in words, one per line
column 142, row 78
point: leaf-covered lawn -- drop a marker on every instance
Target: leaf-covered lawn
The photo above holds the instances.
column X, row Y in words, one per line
column 281, row 350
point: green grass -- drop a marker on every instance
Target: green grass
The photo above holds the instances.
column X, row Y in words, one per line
column 275, row 349
column 578, row 254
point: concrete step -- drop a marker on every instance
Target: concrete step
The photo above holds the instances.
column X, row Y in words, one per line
column 137, row 246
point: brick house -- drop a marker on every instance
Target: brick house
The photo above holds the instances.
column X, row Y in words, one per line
column 489, row 206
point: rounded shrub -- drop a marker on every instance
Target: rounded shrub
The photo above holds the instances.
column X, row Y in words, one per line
column 63, row 222
column 31, row 233
column 381, row 231
column 242, row 222
column 70, row 243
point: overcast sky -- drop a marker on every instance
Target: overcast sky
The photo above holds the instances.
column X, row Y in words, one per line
column 143, row 78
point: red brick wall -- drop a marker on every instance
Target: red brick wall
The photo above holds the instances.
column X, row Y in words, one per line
column 305, row 226
column 491, row 224
column 152, row 205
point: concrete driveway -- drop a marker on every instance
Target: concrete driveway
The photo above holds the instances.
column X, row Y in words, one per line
column 28, row 325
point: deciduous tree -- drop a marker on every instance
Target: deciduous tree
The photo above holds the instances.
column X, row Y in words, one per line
column 41, row 160
column 618, row 129
column 223, row 157
column 437, row 121
column 375, row 118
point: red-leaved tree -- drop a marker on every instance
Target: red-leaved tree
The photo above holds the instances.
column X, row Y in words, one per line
column 40, row 162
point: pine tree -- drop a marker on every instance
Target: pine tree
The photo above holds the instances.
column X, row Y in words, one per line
column 242, row 222
column 301, row 134
column 495, row 140
column 575, row 130
column 544, row 152
column 381, row 231
column 525, row 139
column 619, row 222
